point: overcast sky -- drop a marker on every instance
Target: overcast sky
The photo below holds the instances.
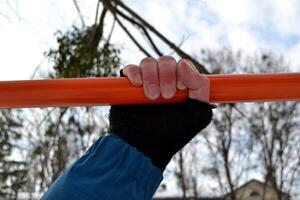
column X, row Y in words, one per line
column 27, row 28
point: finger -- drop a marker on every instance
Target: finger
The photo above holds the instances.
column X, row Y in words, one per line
column 167, row 76
column 150, row 78
column 198, row 84
column 200, row 94
column 180, row 85
column 134, row 74
column 190, row 76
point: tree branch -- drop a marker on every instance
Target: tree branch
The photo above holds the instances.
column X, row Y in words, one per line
column 144, row 23
column 79, row 12
column 132, row 38
column 97, row 12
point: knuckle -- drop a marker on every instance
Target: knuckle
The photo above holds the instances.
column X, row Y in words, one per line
column 131, row 67
column 148, row 59
column 167, row 59
column 127, row 68
column 167, row 64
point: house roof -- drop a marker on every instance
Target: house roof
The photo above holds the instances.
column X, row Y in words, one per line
column 218, row 198
column 256, row 181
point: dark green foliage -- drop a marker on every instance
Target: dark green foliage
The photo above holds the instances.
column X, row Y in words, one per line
column 78, row 55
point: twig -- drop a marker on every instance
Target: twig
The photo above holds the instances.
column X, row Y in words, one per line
column 153, row 45
column 16, row 12
column 46, row 117
column 36, row 69
column 5, row 16
column 97, row 12
column 180, row 52
column 79, row 13
column 132, row 38
column 180, row 44
column 97, row 32
column 132, row 21
column 111, row 30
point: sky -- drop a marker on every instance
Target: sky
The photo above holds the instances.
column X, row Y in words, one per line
column 27, row 29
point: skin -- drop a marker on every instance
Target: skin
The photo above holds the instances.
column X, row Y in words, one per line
column 163, row 77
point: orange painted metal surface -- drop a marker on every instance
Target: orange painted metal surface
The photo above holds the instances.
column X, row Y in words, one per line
column 226, row 88
column 255, row 87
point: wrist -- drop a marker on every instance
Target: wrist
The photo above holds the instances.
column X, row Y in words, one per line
column 159, row 131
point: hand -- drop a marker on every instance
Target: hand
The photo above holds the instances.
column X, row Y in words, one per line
column 159, row 131
column 164, row 76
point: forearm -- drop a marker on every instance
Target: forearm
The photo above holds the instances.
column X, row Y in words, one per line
column 111, row 169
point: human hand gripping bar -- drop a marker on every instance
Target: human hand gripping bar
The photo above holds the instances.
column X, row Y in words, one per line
column 225, row 88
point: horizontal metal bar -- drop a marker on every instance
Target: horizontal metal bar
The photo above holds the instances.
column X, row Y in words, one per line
column 225, row 88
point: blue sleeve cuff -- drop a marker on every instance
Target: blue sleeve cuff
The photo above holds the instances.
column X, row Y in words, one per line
column 111, row 169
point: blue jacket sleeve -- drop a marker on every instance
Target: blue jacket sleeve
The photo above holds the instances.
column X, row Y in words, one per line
column 110, row 170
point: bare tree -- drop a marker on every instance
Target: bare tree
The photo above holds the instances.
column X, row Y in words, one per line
column 187, row 170
column 266, row 131
column 9, row 10
column 56, row 137
column 65, row 133
column 122, row 12
column 12, row 171
column 275, row 130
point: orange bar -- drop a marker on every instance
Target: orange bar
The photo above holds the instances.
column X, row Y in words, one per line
column 237, row 88
column 227, row 88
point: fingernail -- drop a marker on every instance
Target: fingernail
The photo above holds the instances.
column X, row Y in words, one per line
column 153, row 91
column 168, row 91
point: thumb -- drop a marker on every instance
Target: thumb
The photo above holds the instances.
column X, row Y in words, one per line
column 197, row 84
column 190, row 76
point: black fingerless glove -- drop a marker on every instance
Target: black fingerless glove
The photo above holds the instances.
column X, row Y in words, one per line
column 159, row 131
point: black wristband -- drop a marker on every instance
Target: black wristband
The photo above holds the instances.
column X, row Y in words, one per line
column 159, row 131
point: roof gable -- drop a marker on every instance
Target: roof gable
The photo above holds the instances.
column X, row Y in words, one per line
column 255, row 186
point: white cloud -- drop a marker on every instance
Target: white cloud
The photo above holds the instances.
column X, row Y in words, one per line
column 18, row 54
column 241, row 24
column 293, row 54
column 286, row 16
column 236, row 12
column 240, row 38
column 23, row 41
